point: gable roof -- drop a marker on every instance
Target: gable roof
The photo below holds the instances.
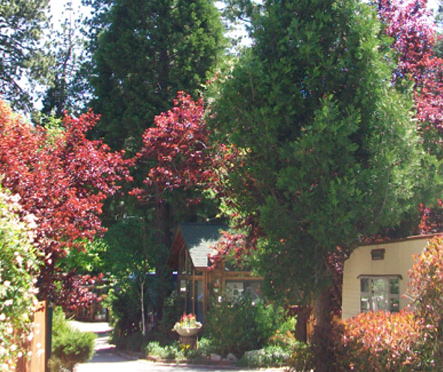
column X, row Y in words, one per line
column 199, row 238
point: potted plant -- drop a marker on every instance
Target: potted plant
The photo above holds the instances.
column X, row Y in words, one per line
column 187, row 326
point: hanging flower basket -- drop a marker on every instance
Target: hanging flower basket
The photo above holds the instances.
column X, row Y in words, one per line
column 187, row 326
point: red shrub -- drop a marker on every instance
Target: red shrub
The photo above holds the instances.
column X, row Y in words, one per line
column 381, row 342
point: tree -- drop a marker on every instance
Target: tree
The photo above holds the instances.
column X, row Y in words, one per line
column 414, row 40
column 143, row 52
column 180, row 168
column 68, row 91
column 62, row 179
column 329, row 152
column 22, row 23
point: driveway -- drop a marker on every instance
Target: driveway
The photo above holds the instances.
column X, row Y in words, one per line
column 106, row 359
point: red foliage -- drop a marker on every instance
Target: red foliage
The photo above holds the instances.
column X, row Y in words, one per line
column 380, row 341
column 76, row 291
column 425, row 289
column 62, row 180
column 176, row 150
column 411, row 26
column 426, row 283
column 231, row 244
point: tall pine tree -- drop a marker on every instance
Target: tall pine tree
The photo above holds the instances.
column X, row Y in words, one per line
column 143, row 53
column 329, row 153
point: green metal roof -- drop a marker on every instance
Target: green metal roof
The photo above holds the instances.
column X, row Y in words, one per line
column 199, row 238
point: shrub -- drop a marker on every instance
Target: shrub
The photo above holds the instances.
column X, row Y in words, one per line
column 269, row 356
column 133, row 342
column 168, row 352
column 241, row 326
column 18, row 269
column 383, row 342
column 301, row 359
column 70, row 346
column 425, row 289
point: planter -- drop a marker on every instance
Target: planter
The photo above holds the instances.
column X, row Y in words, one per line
column 187, row 331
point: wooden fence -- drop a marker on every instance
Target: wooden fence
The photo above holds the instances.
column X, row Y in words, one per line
column 37, row 361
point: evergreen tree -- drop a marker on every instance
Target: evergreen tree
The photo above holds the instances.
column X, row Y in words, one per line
column 22, row 58
column 143, row 52
column 68, row 90
column 329, row 154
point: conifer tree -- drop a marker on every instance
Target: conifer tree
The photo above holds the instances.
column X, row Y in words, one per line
column 22, row 57
column 143, row 53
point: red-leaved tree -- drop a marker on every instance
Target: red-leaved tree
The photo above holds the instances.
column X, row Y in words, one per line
column 410, row 25
column 176, row 150
column 62, row 178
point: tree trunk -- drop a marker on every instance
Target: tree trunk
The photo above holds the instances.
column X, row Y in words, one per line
column 163, row 240
column 324, row 357
column 142, row 304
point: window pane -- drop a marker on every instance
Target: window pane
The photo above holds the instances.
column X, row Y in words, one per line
column 364, row 304
column 364, row 285
column 199, row 300
column 394, row 286
column 380, row 294
column 253, row 289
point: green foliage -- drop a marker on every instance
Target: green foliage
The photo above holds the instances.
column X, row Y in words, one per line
column 241, row 326
column 18, row 270
column 270, row 356
column 168, row 352
column 301, row 359
column 70, row 346
column 131, row 342
column 341, row 158
column 23, row 58
column 125, row 310
column 67, row 89
column 172, row 310
column 143, row 52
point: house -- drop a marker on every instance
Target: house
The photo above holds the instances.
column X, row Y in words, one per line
column 375, row 277
column 197, row 280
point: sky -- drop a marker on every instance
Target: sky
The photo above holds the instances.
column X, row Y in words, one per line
column 57, row 7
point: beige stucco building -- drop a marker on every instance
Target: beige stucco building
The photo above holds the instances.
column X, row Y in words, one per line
column 375, row 277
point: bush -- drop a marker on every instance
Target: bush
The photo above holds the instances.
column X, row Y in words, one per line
column 425, row 289
column 301, row 359
column 133, row 342
column 381, row 342
column 18, row 269
column 241, row 326
column 270, row 356
column 69, row 346
column 168, row 352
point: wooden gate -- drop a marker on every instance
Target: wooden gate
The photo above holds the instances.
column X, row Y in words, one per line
column 37, row 362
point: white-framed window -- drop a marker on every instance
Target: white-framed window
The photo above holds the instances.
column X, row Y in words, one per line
column 380, row 293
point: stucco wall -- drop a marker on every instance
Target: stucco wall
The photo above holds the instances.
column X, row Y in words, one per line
column 398, row 260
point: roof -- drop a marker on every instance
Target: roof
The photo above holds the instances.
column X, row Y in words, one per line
column 199, row 238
